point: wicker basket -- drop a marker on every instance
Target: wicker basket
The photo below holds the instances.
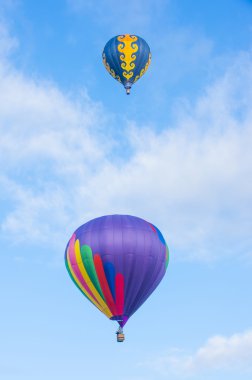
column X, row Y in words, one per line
column 120, row 337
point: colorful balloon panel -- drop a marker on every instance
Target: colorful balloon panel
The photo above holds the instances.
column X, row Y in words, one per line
column 126, row 57
column 117, row 261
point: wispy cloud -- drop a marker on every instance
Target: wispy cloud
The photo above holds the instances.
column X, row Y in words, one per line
column 219, row 353
column 7, row 42
column 61, row 164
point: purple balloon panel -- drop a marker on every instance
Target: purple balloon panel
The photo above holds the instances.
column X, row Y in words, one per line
column 121, row 259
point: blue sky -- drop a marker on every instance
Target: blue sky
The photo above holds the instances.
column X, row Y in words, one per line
column 176, row 152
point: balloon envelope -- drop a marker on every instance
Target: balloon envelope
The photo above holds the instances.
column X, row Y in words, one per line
column 117, row 261
column 126, row 57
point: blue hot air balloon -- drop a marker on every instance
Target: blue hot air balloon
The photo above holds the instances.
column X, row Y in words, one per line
column 126, row 57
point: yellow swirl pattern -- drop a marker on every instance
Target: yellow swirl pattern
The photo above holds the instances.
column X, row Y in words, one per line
column 128, row 49
column 144, row 69
column 108, row 68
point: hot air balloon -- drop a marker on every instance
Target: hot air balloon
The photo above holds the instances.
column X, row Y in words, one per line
column 126, row 57
column 117, row 261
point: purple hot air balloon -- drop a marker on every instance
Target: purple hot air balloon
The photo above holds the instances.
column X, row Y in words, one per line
column 117, row 261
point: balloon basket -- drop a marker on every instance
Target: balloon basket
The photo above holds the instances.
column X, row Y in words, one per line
column 120, row 337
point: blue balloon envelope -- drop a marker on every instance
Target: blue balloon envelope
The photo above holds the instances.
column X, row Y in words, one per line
column 126, row 57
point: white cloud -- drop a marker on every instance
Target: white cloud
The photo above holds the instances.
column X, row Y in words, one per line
column 219, row 353
column 7, row 43
column 193, row 179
